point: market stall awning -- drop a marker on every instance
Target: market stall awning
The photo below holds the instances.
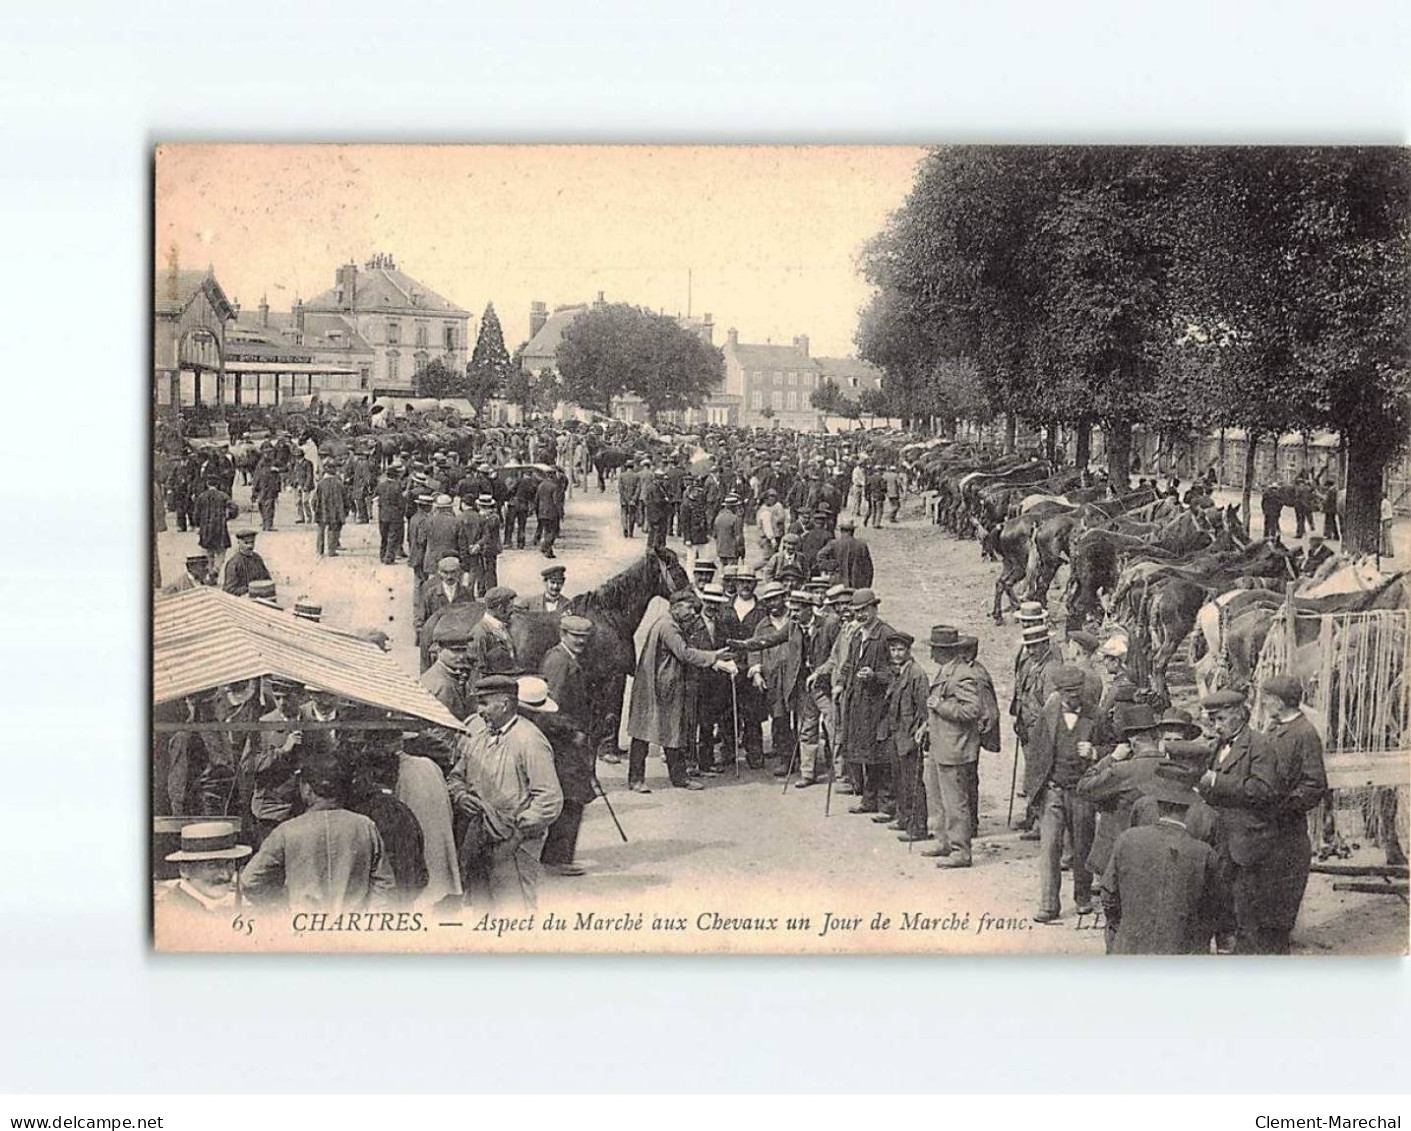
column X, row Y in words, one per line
column 203, row 638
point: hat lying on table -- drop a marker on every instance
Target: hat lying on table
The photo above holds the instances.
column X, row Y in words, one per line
column 209, row 840
column 263, row 588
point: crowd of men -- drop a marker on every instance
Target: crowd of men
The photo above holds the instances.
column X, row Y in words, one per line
column 1188, row 837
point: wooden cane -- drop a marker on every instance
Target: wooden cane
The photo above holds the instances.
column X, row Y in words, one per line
column 1013, row 785
column 611, row 812
column 735, row 713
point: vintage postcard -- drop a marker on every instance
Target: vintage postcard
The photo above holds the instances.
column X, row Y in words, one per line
column 818, row 550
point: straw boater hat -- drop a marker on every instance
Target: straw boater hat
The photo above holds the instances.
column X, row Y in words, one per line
column 308, row 610
column 1031, row 611
column 770, row 590
column 443, row 502
column 209, row 840
column 838, row 595
column 1034, row 633
column 713, row 594
column 534, row 693
column 485, row 500
column 1113, row 646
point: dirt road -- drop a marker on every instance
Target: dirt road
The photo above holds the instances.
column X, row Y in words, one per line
column 743, row 846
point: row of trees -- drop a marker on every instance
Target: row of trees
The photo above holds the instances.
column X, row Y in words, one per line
column 609, row 351
column 1180, row 288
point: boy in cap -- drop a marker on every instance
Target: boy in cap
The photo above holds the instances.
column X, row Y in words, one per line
column 1290, row 731
column 245, row 566
column 906, row 726
column 1061, row 746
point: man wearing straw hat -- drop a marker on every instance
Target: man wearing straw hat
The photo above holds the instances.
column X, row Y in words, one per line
column 1034, row 667
column 208, row 864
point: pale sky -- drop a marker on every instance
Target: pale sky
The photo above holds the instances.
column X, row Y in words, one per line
column 769, row 234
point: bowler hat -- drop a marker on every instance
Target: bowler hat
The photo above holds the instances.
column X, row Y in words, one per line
column 1172, row 785
column 1068, row 678
column 862, row 598
column 1133, row 718
column 1176, row 717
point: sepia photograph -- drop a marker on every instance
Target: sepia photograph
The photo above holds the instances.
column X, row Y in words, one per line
column 954, row 550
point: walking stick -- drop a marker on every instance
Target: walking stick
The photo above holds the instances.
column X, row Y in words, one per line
column 735, row 713
column 1013, row 785
column 792, row 759
column 828, row 751
column 611, row 812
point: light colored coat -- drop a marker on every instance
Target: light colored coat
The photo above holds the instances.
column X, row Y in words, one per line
column 953, row 714
column 662, row 689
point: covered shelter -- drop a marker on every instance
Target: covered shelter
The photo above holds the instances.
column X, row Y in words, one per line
column 204, row 638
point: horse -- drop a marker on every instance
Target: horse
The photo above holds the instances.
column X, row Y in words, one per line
column 607, row 461
column 617, row 608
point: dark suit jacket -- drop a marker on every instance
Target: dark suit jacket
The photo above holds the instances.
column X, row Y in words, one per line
column 1039, row 750
column 1251, row 784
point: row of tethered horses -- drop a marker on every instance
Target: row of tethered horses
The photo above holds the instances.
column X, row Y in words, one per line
column 1145, row 563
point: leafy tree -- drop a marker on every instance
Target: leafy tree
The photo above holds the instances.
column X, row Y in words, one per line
column 827, row 398
column 437, row 379
column 874, row 403
column 618, row 349
column 489, row 368
column 767, row 412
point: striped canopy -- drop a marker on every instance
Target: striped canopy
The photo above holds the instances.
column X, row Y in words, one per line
column 203, row 638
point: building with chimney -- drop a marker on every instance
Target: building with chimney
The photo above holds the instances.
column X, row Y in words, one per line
column 275, row 354
column 190, row 316
column 404, row 323
column 852, row 375
column 770, row 384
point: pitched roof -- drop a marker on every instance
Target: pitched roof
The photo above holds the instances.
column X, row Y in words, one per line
column 188, row 283
column 545, row 344
column 771, row 357
column 386, row 288
column 840, row 369
column 319, row 330
column 204, row 637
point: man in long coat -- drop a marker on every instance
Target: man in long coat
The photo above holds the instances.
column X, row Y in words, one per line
column 663, row 695
column 360, row 483
column 391, row 503
column 211, row 513
column 854, row 559
column 866, row 676
column 330, row 511
column 658, row 509
column 629, row 491
column 776, row 668
column 445, row 538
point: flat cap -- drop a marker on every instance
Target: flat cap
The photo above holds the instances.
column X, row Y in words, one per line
column 1217, row 700
column 553, row 571
column 1287, row 687
column 1068, row 678
column 499, row 596
column 576, row 625
column 497, row 685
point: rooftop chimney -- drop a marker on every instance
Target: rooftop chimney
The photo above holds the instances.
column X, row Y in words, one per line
column 732, row 336
column 264, row 310
column 599, row 302
column 801, row 344
column 348, row 285
column 538, row 315
column 709, row 326
column 299, row 315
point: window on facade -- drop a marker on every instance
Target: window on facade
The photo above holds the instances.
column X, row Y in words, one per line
column 421, row 334
column 757, row 398
column 777, row 399
column 449, row 337
column 793, row 400
column 394, row 333
column 365, row 377
column 392, row 365
column 853, row 382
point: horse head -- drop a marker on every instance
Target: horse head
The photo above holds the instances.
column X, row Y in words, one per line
column 670, row 573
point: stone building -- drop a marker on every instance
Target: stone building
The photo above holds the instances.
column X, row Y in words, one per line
column 404, row 323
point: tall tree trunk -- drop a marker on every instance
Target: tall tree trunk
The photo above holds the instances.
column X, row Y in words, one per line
column 1251, row 451
column 1117, row 435
column 1011, row 429
column 1051, row 442
column 1085, row 445
column 1362, row 524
